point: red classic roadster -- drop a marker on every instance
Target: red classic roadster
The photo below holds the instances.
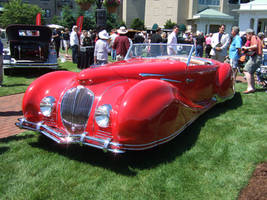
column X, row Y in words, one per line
column 135, row 104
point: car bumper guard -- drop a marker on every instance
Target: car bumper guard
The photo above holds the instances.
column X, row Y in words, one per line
column 60, row 138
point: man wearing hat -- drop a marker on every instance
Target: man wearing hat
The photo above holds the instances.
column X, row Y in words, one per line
column 254, row 61
column 121, row 43
column 101, row 48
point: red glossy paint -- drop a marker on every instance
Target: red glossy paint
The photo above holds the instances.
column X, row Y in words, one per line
column 152, row 100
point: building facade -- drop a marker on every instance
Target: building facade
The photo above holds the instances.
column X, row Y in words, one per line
column 201, row 15
column 253, row 15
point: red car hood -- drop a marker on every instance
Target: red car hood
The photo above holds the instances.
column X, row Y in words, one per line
column 130, row 69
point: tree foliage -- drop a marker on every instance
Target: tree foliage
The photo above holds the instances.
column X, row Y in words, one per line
column 112, row 22
column 169, row 24
column 17, row 12
column 138, row 24
column 68, row 19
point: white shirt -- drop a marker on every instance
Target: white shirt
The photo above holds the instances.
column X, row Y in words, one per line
column 101, row 49
column 171, row 43
column 81, row 38
column 112, row 39
column 74, row 39
column 225, row 39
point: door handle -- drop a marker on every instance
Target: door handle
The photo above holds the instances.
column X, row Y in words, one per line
column 188, row 80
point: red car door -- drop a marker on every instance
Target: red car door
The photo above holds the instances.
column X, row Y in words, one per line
column 199, row 83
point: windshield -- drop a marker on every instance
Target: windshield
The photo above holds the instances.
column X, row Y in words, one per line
column 159, row 50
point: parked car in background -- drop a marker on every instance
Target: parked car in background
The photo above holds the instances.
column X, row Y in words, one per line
column 29, row 46
column 135, row 104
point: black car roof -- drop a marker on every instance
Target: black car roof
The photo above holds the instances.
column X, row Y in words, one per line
column 40, row 33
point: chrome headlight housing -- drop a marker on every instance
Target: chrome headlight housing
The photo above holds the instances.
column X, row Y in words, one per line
column 102, row 115
column 47, row 105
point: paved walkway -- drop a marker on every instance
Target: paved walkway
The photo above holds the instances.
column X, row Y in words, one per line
column 10, row 111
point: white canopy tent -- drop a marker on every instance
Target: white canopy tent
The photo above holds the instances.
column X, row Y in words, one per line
column 55, row 26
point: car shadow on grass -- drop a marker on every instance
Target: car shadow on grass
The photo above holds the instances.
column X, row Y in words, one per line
column 16, row 138
column 3, row 150
column 28, row 73
column 129, row 163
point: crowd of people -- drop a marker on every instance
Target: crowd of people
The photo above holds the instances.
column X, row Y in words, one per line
column 219, row 46
column 240, row 50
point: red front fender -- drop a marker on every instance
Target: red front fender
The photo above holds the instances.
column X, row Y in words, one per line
column 51, row 84
column 148, row 112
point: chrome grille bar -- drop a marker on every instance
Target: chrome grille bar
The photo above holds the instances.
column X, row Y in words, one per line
column 75, row 109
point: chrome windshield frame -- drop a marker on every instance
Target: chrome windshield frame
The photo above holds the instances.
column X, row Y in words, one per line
column 188, row 48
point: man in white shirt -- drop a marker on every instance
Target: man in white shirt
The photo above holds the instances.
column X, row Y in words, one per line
column 101, row 48
column 74, row 44
column 219, row 44
column 172, row 41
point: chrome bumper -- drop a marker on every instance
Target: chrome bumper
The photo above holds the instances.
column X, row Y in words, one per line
column 104, row 144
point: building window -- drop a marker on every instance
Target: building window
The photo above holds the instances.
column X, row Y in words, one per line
column 251, row 23
column 245, row 1
column 238, row 1
column 209, row 2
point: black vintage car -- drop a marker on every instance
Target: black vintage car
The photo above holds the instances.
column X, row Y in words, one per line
column 29, row 47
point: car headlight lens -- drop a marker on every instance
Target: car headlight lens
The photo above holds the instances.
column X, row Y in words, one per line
column 102, row 115
column 47, row 105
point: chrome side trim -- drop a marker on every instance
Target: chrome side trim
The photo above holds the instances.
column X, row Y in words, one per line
column 170, row 80
column 147, row 74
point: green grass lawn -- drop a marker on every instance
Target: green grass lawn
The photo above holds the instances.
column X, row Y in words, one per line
column 212, row 159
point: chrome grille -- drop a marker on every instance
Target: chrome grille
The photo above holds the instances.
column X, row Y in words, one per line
column 75, row 109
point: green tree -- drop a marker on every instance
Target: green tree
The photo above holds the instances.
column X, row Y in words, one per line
column 169, row 24
column 138, row 24
column 17, row 12
column 112, row 21
column 56, row 20
column 67, row 20
column 89, row 22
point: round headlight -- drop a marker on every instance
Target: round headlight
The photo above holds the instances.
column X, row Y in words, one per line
column 47, row 105
column 102, row 115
